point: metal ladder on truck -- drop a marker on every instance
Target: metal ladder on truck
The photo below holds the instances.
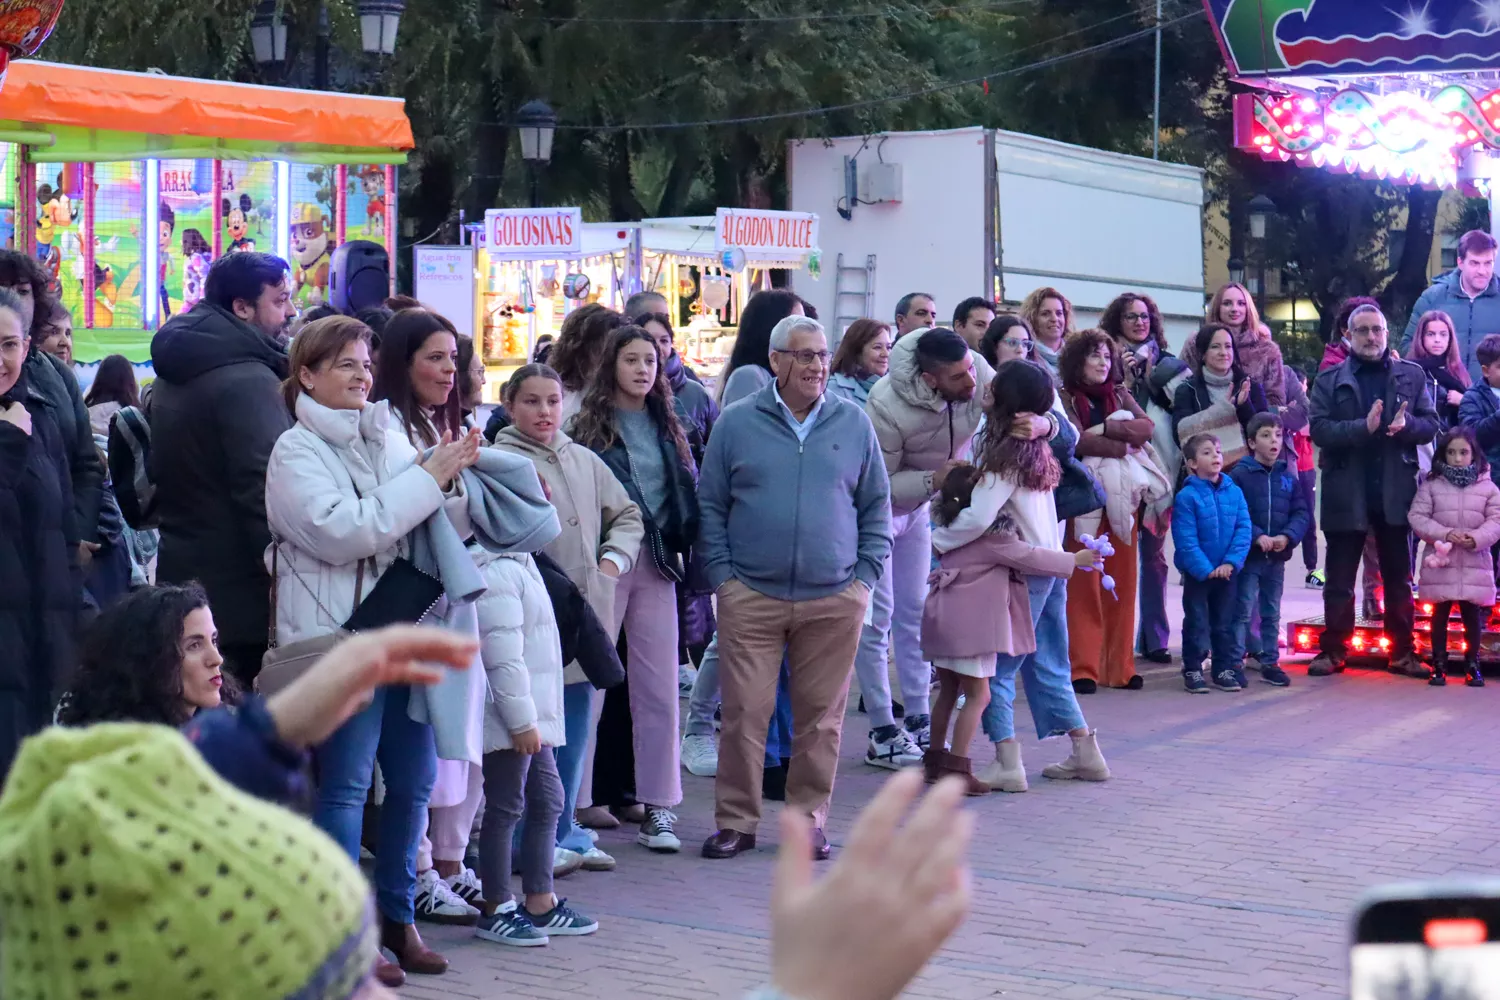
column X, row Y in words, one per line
column 853, row 288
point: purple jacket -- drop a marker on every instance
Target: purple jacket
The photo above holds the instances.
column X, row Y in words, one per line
column 1440, row 507
column 965, row 616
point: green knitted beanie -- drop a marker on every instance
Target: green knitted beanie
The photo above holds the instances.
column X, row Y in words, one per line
column 129, row 870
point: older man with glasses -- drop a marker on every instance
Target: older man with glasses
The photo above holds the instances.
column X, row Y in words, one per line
column 1368, row 415
column 795, row 529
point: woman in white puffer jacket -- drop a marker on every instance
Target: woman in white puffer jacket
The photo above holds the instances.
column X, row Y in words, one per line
column 343, row 490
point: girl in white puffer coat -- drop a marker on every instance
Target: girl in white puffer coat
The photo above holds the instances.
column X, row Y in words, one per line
column 523, row 721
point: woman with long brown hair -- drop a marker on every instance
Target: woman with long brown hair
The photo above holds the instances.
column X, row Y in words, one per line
column 627, row 417
column 1435, row 348
column 863, row 356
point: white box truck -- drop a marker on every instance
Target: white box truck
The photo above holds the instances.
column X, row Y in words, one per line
column 978, row 211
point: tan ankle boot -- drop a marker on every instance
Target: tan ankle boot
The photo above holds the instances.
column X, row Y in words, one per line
column 952, row 763
column 1085, row 763
column 932, row 764
column 1006, row 773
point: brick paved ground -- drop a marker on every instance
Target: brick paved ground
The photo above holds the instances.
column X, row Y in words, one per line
column 1220, row 863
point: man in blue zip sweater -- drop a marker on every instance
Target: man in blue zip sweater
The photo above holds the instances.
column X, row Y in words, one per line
column 794, row 532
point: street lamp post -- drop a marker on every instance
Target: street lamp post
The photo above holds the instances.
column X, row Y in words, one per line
column 1260, row 210
column 378, row 23
column 537, row 123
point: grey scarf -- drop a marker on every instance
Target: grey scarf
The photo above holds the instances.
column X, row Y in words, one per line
column 1219, row 386
column 1462, row 477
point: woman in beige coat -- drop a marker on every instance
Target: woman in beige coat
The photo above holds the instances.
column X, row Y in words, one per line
column 601, row 535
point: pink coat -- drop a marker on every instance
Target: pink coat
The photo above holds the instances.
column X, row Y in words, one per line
column 977, row 602
column 1440, row 507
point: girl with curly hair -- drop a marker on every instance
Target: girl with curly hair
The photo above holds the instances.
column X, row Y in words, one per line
column 153, row 656
column 627, row 418
column 1101, row 627
column 997, row 534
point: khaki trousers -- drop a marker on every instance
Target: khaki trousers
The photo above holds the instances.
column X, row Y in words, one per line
column 819, row 638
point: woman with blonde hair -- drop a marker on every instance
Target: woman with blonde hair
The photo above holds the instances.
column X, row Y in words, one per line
column 1049, row 314
column 1233, row 307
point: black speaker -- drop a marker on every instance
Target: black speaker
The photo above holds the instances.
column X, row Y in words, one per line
column 359, row 276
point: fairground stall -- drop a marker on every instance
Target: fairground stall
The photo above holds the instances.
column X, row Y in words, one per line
column 708, row 266
column 534, row 266
column 126, row 186
column 1406, row 93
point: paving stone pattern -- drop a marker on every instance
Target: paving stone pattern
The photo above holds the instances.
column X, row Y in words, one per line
column 1221, row 863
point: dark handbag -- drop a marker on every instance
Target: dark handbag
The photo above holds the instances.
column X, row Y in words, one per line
column 402, row 596
column 1078, row 492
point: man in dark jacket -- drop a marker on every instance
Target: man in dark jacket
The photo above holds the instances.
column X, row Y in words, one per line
column 23, row 275
column 1470, row 294
column 1368, row 415
column 40, row 587
column 216, row 411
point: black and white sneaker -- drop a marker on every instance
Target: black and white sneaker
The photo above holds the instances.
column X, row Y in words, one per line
column 563, row 921
column 466, row 886
column 510, row 925
column 657, row 831
column 437, row 903
column 892, row 748
column 919, row 728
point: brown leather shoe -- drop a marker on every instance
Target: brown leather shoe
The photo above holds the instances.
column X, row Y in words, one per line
column 388, row 973
column 821, row 849
column 964, row 768
column 728, row 843
column 406, row 944
column 932, row 765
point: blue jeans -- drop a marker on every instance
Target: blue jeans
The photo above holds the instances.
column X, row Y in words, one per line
column 408, row 763
column 1155, row 632
column 569, row 758
column 1208, row 623
column 1258, row 584
column 779, row 733
column 1046, row 674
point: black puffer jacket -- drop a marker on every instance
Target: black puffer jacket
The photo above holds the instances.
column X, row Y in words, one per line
column 671, row 539
column 58, row 386
column 695, row 406
column 40, row 585
column 216, row 412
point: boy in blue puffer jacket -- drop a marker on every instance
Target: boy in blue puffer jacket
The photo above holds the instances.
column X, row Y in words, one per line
column 1211, row 528
column 1278, row 521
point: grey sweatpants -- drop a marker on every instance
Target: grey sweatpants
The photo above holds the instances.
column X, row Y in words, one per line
column 515, row 783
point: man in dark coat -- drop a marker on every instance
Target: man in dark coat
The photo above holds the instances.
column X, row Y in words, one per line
column 25, row 277
column 40, row 586
column 1368, row 414
column 216, row 411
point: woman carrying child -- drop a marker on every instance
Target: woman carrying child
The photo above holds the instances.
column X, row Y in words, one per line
column 1457, row 512
column 998, row 530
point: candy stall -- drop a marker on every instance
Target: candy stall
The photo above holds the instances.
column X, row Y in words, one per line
column 536, row 265
column 126, row 186
column 708, row 266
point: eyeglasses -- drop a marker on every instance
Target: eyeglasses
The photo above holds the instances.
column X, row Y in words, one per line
column 1138, row 317
column 808, row 357
column 1017, row 345
column 1367, row 330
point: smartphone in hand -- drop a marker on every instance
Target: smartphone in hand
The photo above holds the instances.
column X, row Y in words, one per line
column 1427, row 940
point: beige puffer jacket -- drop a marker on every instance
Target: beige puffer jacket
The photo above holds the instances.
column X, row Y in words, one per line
column 919, row 430
column 597, row 516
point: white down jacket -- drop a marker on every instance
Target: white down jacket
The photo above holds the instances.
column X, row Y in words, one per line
column 342, row 488
column 522, row 651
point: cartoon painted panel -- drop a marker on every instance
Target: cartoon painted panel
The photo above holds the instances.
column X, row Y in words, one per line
column 8, row 155
column 184, row 230
column 312, row 232
column 249, row 205
column 365, row 202
column 59, row 205
column 119, row 209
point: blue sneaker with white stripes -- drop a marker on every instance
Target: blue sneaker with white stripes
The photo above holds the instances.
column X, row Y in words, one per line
column 510, row 925
column 563, row 920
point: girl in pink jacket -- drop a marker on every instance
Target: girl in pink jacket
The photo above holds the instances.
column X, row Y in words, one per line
column 1457, row 512
column 996, row 524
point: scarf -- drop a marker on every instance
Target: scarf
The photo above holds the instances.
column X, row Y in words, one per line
column 676, row 374
column 1463, row 477
column 1219, row 386
column 1046, row 354
column 1085, row 396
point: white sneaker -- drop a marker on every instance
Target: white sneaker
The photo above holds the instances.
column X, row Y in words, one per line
column 893, row 754
column 700, row 755
column 687, row 674
column 438, row 903
column 593, row 834
column 595, row 860
column 657, row 831
column 466, row 886
column 565, row 862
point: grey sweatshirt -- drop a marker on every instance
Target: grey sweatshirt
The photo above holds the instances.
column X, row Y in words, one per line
column 794, row 521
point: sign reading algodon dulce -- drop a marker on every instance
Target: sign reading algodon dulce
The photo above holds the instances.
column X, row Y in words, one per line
column 533, row 232
column 765, row 233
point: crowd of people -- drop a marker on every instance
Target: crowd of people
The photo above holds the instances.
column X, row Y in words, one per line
column 911, row 508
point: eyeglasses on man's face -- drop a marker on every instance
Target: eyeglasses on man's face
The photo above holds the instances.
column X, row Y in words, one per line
column 807, row 357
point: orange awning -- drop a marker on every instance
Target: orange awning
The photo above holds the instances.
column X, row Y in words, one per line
column 53, row 96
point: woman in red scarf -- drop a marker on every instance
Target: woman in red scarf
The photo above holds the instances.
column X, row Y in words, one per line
column 1101, row 627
